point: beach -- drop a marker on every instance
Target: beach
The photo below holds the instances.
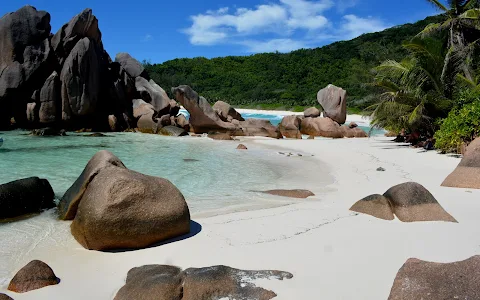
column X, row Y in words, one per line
column 333, row 253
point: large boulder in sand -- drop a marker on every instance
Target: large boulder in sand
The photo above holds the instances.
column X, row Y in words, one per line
column 334, row 102
column 83, row 25
column 67, row 208
column 258, row 127
column 312, row 112
column 5, row 297
column 410, row 202
column 25, row 196
column 162, row 282
column 35, row 275
column 325, row 127
column 203, row 117
column 152, row 93
column 467, row 173
column 132, row 66
column 290, row 127
column 374, row 205
column 123, row 209
column 224, row 110
column 419, row 279
column 50, row 99
column 81, row 81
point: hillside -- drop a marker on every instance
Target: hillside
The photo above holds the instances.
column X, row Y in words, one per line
column 290, row 79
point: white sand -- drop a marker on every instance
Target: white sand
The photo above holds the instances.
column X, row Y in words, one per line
column 332, row 252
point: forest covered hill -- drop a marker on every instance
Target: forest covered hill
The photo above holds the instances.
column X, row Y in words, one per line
column 291, row 79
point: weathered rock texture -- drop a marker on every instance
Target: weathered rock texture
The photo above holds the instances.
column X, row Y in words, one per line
column 334, row 102
column 467, row 173
column 25, row 196
column 35, row 275
column 161, row 282
column 419, row 279
column 116, row 208
column 290, row 127
column 410, row 202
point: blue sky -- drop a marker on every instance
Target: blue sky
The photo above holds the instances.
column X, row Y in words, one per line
column 158, row 30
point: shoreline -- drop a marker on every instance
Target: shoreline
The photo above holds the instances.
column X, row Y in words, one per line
column 332, row 252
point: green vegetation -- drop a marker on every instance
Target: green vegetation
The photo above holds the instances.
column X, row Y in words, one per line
column 292, row 79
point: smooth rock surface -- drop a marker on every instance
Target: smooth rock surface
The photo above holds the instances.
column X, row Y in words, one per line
column 334, row 102
column 467, row 173
column 35, row 275
column 374, row 205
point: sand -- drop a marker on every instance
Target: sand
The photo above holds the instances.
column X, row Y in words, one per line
column 332, row 252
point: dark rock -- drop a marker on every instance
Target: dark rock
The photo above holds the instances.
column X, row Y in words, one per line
column 83, row 25
column 225, row 110
column 5, row 297
column 97, row 134
column 123, row 209
column 35, row 275
column 380, row 169
column 411, row 202
column 172, row 131
column 161, row 282
column 132, row 66
column 374, row 205
column 25, row 196
column 301, row 194
column 67, row 208
column 182, row 122
column 164, row 121
column 174, row 108
column 312, row 112
column 32, row 113
column 50, row 99
column 80, row 78
column 467, row 173
column 242, row 147
column 203, row 118
column 334, row 102
column 290, row 127
column 48, row 131
column 152, row 93
column 353, row 125
column 419, row 279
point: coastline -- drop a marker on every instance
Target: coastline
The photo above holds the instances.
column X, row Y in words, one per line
column 332, row 252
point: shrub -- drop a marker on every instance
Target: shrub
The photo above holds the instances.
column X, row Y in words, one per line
column 460, row 127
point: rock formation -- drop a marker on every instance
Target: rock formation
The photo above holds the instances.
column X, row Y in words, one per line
column 290, row 127
column 410, row 202
column 467, row 173
column 35, row 275
column 162, row 282
column 334, row 102
column 113, row 207
column 419, row 279
column 301, row 194
column 312, row 112
column 25, row 196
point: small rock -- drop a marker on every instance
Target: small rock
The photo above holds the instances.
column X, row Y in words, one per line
column 380, row 169
column 35, row 275
column 242, row 147
column 301, row 194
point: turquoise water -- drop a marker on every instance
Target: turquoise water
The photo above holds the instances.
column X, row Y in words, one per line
column 276, row 119
column 211, row 174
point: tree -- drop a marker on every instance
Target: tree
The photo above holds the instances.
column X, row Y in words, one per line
column 462, row 30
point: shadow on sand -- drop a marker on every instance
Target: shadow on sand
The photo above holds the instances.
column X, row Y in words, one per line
column 195, row 228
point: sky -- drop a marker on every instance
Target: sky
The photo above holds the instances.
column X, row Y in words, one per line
column 159, row 30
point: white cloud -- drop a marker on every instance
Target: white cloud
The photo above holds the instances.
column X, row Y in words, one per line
column 147, row 38
column 282, row 25
column 280, row 45
column 354, row 26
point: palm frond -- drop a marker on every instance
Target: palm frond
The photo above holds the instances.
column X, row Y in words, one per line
column 473, row 13
column 469, row 4
column 438, row 5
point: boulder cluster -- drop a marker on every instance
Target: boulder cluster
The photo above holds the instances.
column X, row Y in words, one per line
column 68, row 80
column 333, row 101
column 410, row 202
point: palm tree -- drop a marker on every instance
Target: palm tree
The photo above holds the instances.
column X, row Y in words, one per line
column 462, row 30
column 413, row 91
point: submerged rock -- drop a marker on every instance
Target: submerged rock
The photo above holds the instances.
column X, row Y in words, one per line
column 419, row 279
column 25, row 196
column 162, row 282
column 467, row 173
column 301, row 194
column 35, row 275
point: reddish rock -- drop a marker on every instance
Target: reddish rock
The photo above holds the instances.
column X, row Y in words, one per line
column 161, row 282
column 290, row 127
column 301, row 194
column 258, row 127
column 312, row 112
column 424, row 280
column 35, row 275
column 325, row 127
column 467, row 173
column 334, row 102
column 242, row 147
